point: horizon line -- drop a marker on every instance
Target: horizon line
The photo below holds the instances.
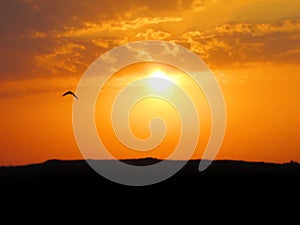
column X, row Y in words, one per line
column 147, row 158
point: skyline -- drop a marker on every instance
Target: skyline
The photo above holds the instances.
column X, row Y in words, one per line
column 252, row 47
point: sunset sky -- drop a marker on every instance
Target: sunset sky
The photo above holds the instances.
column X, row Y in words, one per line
column 252, row 47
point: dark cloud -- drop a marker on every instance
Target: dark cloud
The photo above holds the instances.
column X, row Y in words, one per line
column 19, row 16
column 29, row 28
column 243, row 43
column 62, row 37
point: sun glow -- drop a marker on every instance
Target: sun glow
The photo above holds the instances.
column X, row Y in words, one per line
column 160, row 86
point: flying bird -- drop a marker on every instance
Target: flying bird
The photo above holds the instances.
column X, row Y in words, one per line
column 70, row 93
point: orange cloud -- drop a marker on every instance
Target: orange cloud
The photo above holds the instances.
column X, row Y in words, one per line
column 203, row 45
column 61, row 43
column 152, row 34
column 259, row 29
column 65, row 57
column 246, row 42
column 200, row 5
column 113, row 28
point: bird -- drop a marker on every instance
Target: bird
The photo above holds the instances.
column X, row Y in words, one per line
column 70, row 93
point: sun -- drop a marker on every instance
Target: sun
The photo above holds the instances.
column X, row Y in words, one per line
column 159, row 86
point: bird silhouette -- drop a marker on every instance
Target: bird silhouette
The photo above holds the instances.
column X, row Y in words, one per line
column 70, row 93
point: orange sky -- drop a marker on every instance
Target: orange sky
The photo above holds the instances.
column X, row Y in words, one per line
column 252, row 46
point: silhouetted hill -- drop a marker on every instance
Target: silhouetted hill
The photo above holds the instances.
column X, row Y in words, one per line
column 73, row 184
column 77, row 173
column 237, row 187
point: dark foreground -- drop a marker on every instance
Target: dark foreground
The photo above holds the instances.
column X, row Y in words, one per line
column 220, row 176
column 248, row 189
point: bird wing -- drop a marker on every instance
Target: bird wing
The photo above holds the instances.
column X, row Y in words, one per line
column 67, row 93
column 70, row 93
column 75, row 95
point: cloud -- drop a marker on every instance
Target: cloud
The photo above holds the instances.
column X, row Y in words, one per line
column 200, row 5
column 101, row 43
column 21, row 16
column 293, row 52
column 167, row 50
column 113, row 28
column 204, row 45
column 259, row 29
column 139, row 54
column 66, row 57
column 234, row 43
column 267, row 10
column 38, row 34
column 59, row 37
column 151, row 34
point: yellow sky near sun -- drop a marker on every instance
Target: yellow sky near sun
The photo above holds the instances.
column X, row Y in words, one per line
column 252, row 46
column 149, row 108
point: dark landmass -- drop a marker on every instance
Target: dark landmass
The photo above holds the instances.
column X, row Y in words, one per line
column 224, row 185
column 235, row 187
column 77, row 175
